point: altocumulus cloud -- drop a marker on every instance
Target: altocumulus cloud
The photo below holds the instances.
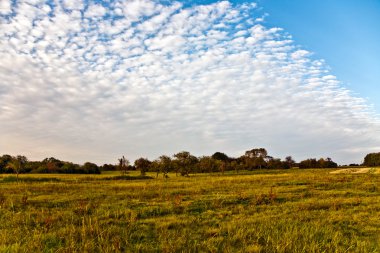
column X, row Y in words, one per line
column 84, row 80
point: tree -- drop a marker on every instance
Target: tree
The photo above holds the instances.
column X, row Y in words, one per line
column 222, row 166
column 275, row 163
column 123, row 165
column 289, row 162
column 256, row 152
column 90, row 168
column 220, row 156
column 164, row 165
column 50, row 165
column 321, row 163
column 108, row 167
column 329, row 163
column 17, row 164
column 31, row 166
column 207, row 164
column 255, row 157
column 259, row 162
column 308, row 163
column 4, row 160
column 222, row 160
column 372, row 159
column 247, row 163
column 236, row 166
column 185, row 162
column 70, row 168
column 142, row 164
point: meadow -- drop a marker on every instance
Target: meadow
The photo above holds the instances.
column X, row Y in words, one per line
column 257, row 211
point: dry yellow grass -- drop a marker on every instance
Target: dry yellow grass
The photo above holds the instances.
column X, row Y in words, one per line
column 259, row 211
column 357, row 171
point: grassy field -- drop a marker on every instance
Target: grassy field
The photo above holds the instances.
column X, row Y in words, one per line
column 262, row 211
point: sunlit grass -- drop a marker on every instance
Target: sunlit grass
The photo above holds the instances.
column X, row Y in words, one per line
column 260, row 211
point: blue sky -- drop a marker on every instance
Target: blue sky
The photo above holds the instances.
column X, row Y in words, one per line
column 343, row 32
column 95, row 80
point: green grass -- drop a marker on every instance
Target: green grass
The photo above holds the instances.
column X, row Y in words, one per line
column 262, row 211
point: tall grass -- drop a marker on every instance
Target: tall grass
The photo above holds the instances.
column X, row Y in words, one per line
column 269, row 211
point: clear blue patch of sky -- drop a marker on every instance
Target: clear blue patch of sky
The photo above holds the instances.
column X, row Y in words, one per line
column 345, row 33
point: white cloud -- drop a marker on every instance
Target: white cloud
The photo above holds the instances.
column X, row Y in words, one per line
column 73, row 4
column 164, row 78
column 137, row 9
column 300, row 54
column 5, row 7
column 95, row 11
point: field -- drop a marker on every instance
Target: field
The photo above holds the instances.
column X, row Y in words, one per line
column 259, row 211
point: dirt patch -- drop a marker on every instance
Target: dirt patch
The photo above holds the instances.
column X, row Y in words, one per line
column 357, row 171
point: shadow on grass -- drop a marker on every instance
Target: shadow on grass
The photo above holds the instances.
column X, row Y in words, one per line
column 126, row 177
column 11, row 179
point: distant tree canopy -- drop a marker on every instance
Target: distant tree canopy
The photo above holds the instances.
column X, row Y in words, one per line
column 182, row 163
column 220, row 156
column 90, row 168
column 164, row 165
column 256, row 152
column 20, row 164
column 108, row 167
column 142, row 164
column 4, row 160
column 185, row 162
column 314, row 163
column 372, row 159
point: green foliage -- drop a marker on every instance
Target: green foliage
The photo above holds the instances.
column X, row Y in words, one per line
column 142, row 164
column 321, row 163
column 164, row 165
column 71, row 168
column 17, row 164
column 275, row 164
column 90, row 168
column 20, row 164
column 208, row 164
column 182, row 162
column 372, row 159
column 185, row 162
column 220, row 156
column 4, row 160
column 108, row 167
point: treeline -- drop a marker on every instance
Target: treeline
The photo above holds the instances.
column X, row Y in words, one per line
column 182, row 163
column 314, row 163
column 20, row 164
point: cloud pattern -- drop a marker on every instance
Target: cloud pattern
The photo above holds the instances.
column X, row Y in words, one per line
column 91, row 80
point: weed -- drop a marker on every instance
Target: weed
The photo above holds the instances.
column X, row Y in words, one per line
column 266, row 199
column 84, row 208
column 24, row 200
column 2, row 200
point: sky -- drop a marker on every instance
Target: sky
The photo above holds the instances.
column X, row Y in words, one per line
column 95, row 80
column 342, row 32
